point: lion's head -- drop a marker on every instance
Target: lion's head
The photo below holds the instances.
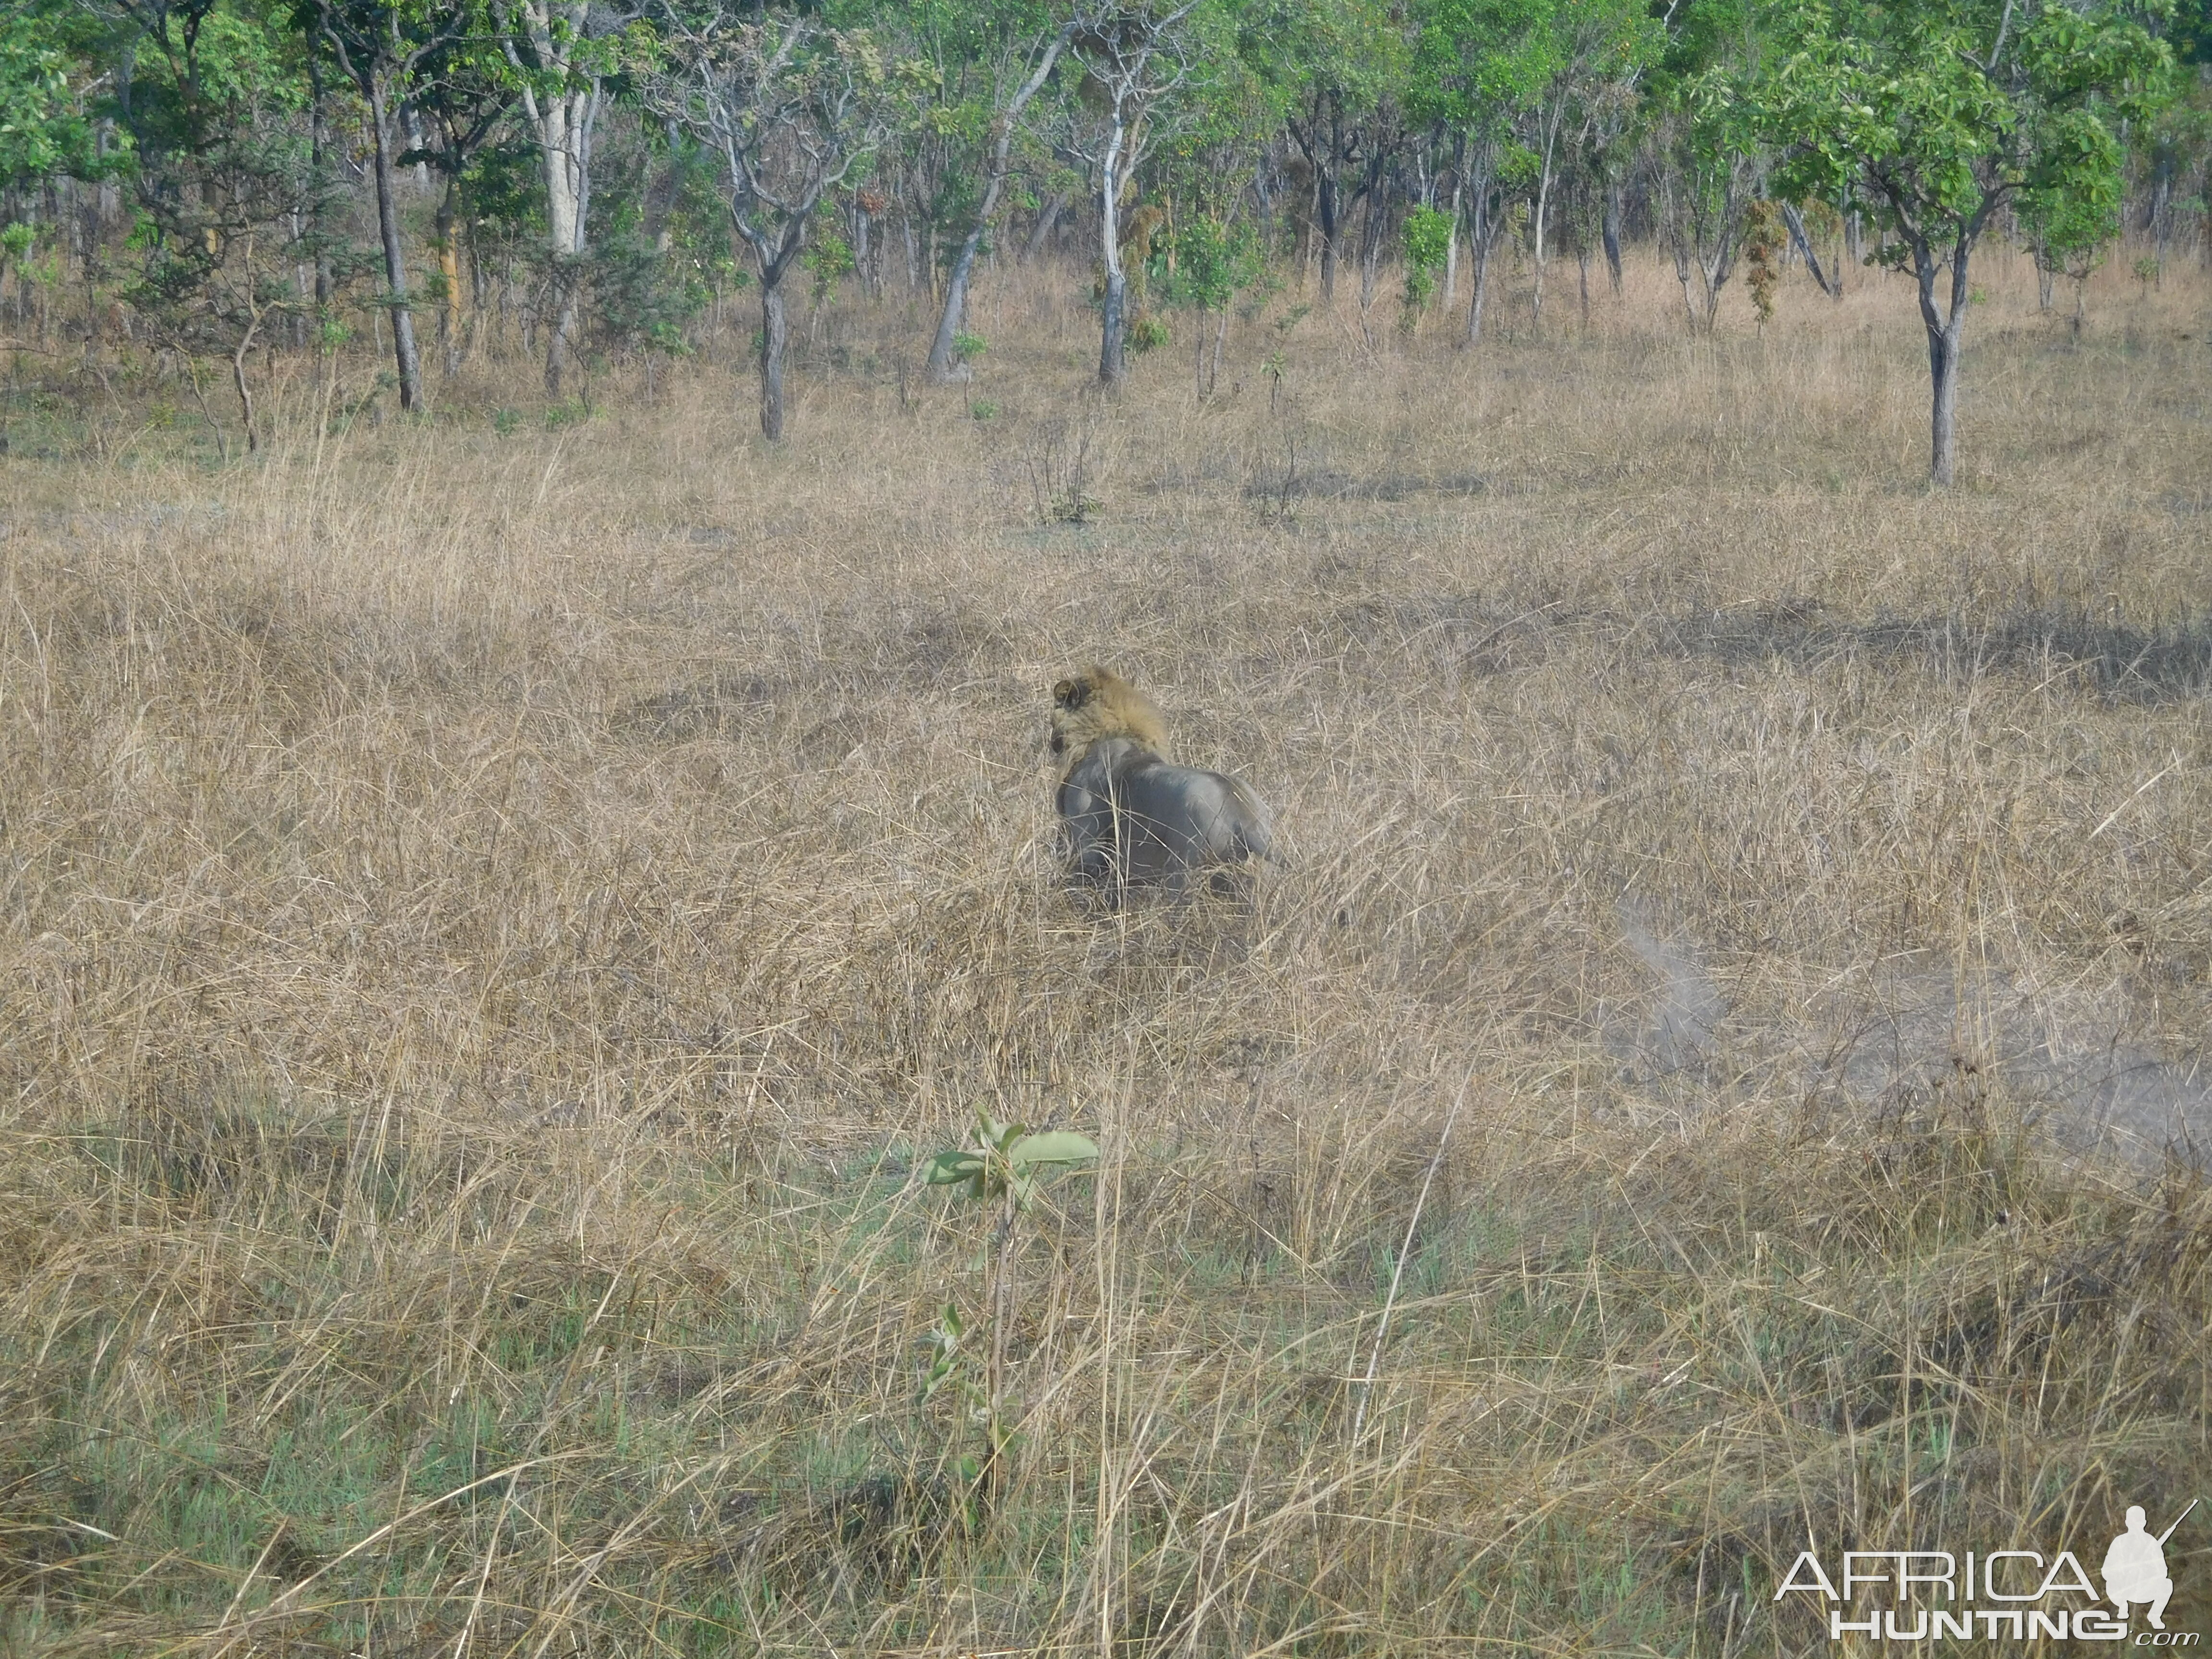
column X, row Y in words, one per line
column 1099, row 703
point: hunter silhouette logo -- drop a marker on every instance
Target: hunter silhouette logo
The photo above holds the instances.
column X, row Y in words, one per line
column 2135, row 1567
column 2013, row 1593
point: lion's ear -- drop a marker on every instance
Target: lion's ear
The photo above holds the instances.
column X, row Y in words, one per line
column 1071, row 694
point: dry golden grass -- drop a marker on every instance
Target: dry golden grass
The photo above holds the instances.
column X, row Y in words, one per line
column 492, row 919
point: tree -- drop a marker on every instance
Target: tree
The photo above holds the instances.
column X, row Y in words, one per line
column 1526, row 82
column 1133, row 57
column 1575, row 51
column 1211, row 251
column 794, row 109
column 44, row 128
column 1339, row 67
column 1707, row 178
column 1214, row 259
column 2068, row 235
column 2177, row 146
column 226, row 186
column 1707, row 154
column 467, row 95
column 379, row 45
column 1932, row 117
column 1020, row 50
column 560, row 52
column 1468, row 77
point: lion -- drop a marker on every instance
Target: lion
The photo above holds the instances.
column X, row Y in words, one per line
column 1132, row 814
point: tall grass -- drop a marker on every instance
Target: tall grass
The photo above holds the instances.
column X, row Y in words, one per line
column 495, row 908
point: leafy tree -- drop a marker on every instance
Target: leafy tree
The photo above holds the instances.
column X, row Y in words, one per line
column 1016, row 46
column 380, row 46
column 44, row 129
column 1470, row 77
column 562, row 53
column 794, row 109
column 1214, row 260
column 1932, row 117
column 2067, row 234
column 213, row 95
column 1576, row 55
column 1706, row 169
column 1210, row 251
column 1705, row 154
column 1132, row 57
column 1427, row 235
column 2177, row 146
column 1340, row 69
column 663, row 231
column 467, row 95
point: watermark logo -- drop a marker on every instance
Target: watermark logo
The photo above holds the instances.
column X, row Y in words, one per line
column 2135, row 1567
column 2002, row 1595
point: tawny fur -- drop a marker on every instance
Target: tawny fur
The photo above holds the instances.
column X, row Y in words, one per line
column 1131, row 816
column 1099, row 703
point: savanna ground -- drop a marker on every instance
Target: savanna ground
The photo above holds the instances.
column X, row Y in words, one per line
column 497, row 907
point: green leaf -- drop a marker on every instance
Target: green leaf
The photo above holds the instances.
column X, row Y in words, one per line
column 948, row 1167
column 1052, row 1147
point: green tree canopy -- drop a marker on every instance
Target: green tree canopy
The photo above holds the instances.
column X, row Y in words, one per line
column 1931, row 118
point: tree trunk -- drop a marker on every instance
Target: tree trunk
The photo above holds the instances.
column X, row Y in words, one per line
column 863, row 260
column 1612, row 234
column 660, row 203
column 1112, row 368
column 1543, row 210
column 1946, row 334
column 1371, row 233
column 1264, row 198
column 564, row 123
column 1048, row 215
column 449, row 272
column 1452, row 248
column 317, row 131
column 1944, row 370
column 245, row 393
column 1683, row 262
column 1543, row 192
column 942, row 361
column 771, row 356
column 1325, row 205
column 564, row 330
column 1220, row 338
column 1796, row 221
column 409, row 360
column 1307, row 214
column 1483, row 244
